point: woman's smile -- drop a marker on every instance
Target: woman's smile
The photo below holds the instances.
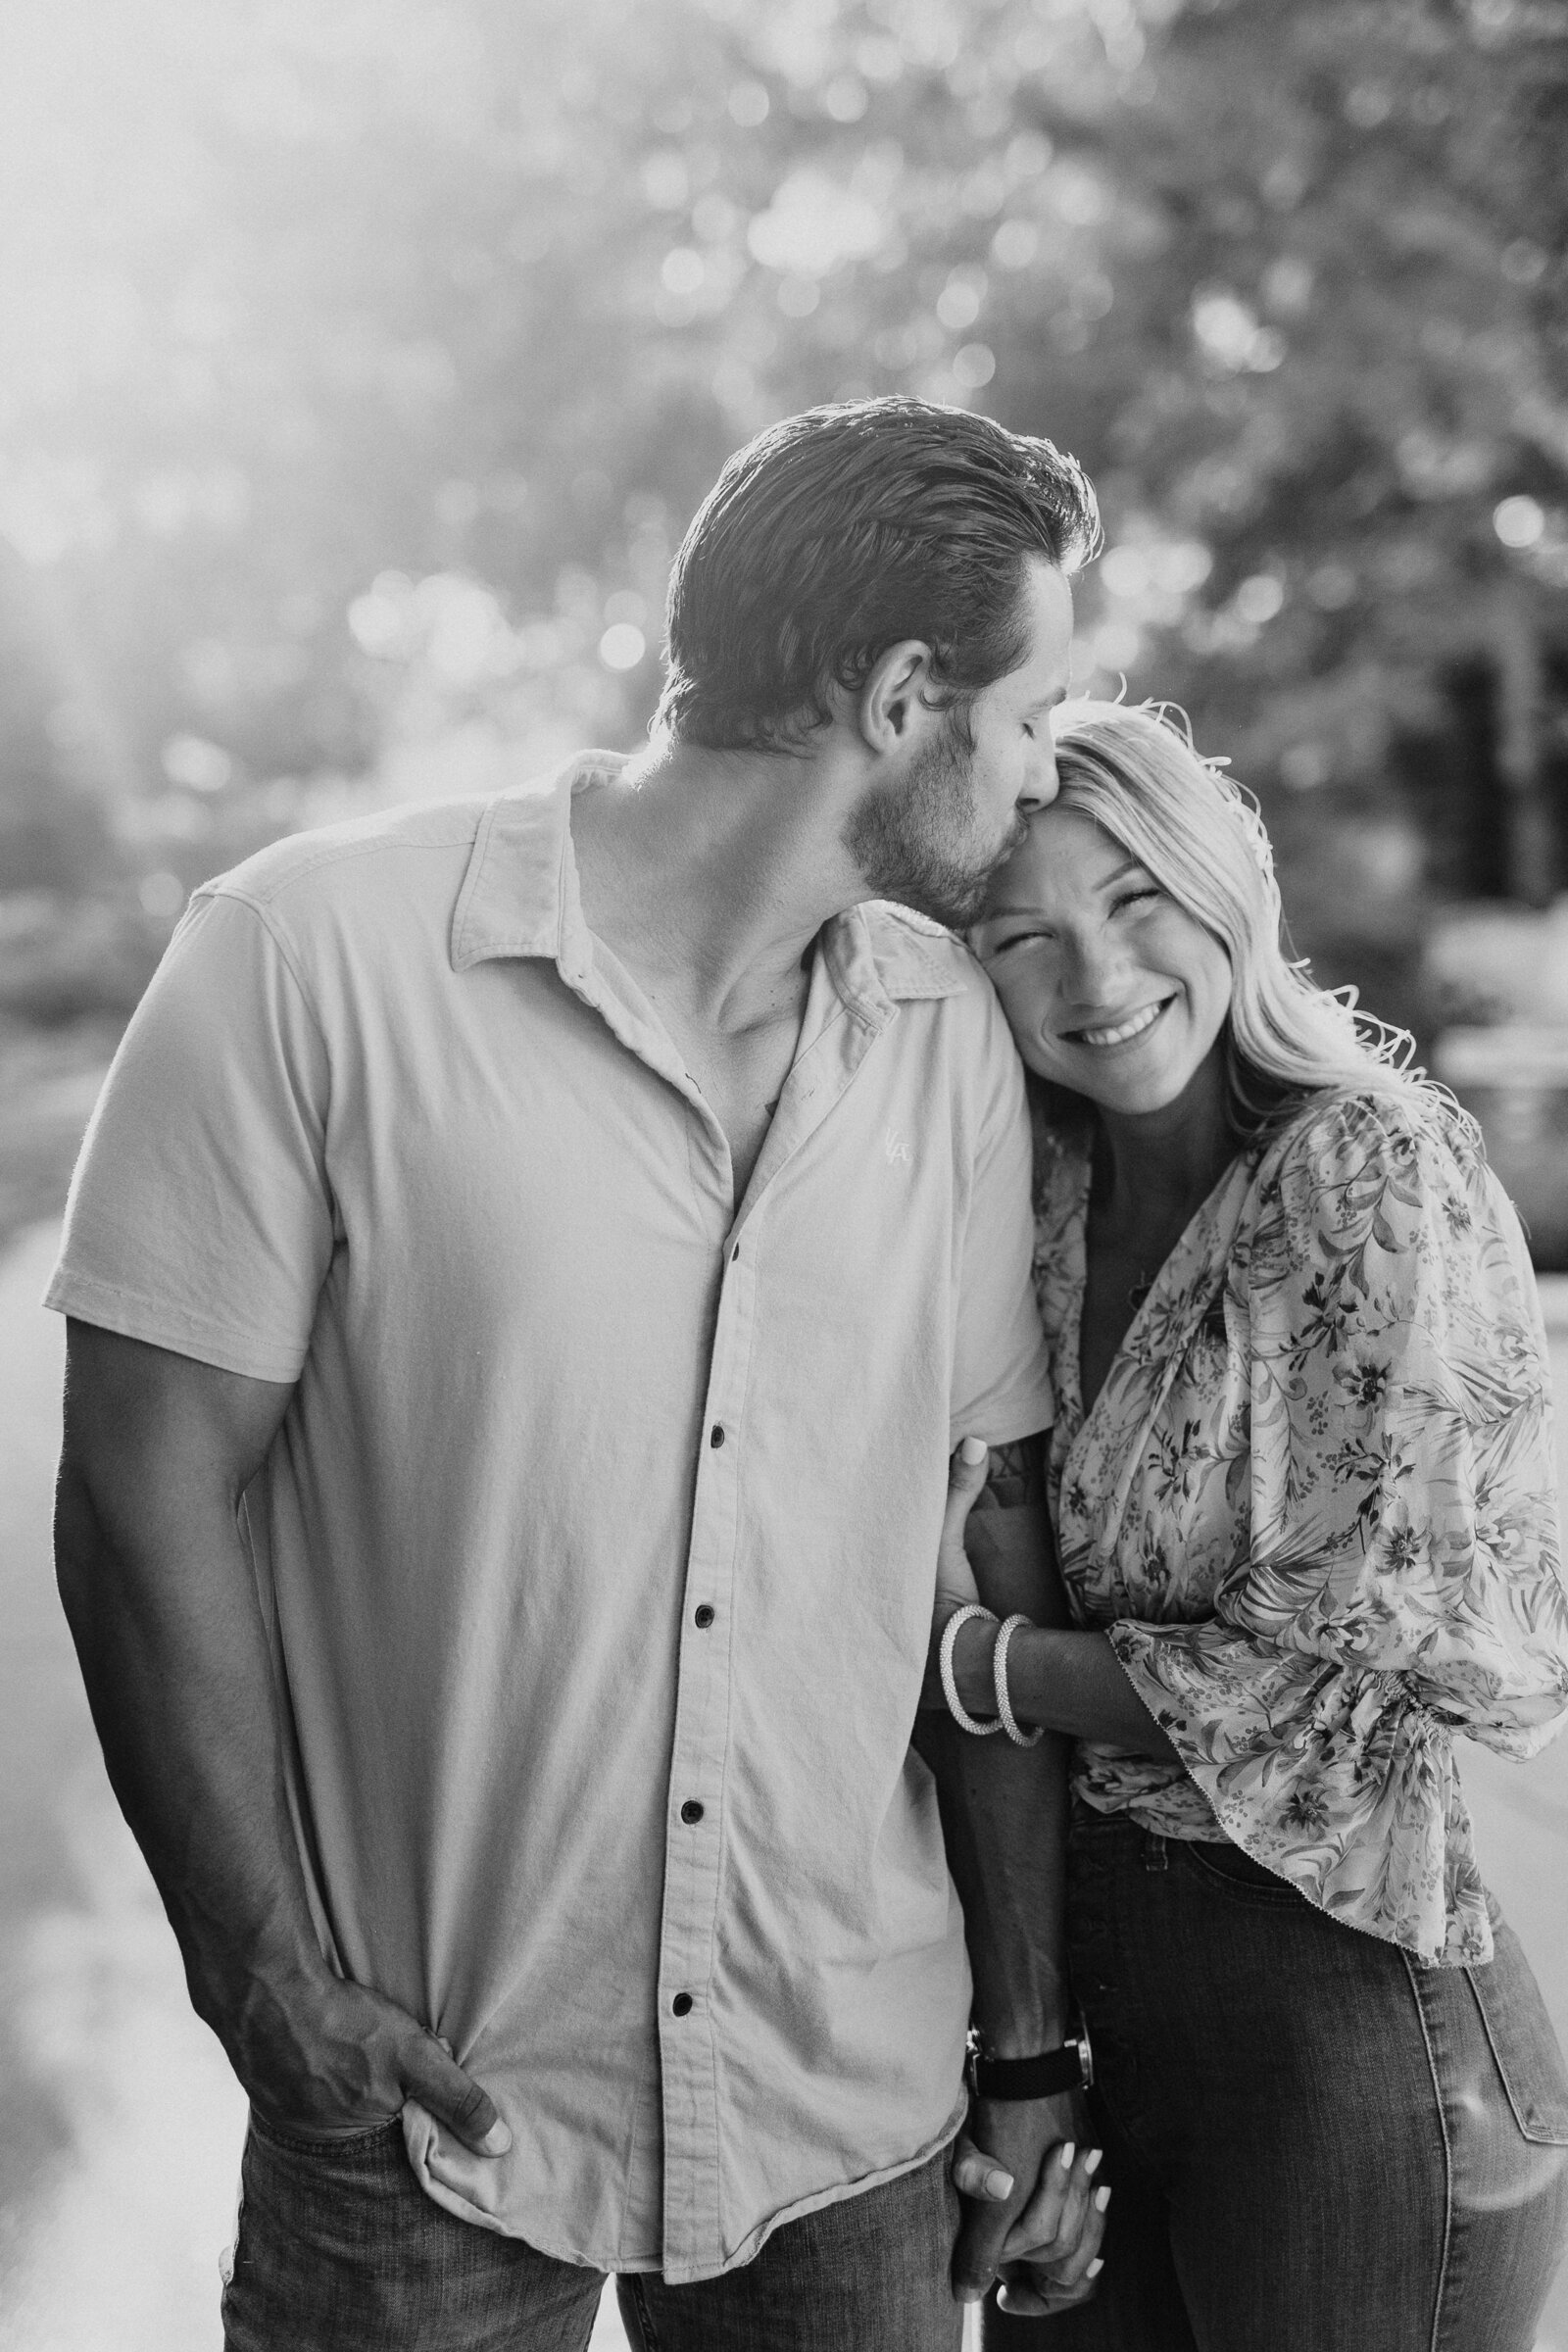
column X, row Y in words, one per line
column 1124, row 1030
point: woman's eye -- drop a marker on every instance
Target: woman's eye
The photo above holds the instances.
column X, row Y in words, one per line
column 1139, row 897
column 1003, row 947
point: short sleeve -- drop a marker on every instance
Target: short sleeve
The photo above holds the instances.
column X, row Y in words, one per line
column 1402, row 1580
column 1000, row 1378
column 200, row 1218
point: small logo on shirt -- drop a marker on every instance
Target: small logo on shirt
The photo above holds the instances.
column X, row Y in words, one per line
column 897, row 1149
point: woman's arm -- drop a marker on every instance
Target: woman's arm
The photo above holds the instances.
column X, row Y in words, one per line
column 1066, row 1682
column 1062, row 1681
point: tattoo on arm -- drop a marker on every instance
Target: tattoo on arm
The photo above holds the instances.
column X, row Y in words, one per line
column 1015, row 1475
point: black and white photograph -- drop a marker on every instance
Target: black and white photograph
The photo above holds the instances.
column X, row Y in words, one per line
column 783, row 1175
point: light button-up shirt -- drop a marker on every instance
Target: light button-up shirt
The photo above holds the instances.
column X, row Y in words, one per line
column 598, row 1501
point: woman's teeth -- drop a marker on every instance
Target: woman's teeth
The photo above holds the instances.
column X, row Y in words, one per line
column 1118, row 1036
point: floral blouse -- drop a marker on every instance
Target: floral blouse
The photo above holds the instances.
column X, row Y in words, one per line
column 1314, row 1508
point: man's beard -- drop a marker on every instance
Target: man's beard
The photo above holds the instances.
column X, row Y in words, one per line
column 913, row 841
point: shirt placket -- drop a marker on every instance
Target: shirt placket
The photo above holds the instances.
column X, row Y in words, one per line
column 689, row 2045
column 694, row 1823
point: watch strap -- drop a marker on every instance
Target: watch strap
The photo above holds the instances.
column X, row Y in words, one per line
column 1039, row 2077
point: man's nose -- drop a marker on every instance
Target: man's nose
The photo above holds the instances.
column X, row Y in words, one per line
column 1041, row 782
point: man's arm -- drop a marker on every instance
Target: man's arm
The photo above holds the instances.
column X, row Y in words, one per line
column 1004, row 1817
column 161, row 1603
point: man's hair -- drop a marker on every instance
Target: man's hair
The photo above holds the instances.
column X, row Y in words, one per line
column 839, row 532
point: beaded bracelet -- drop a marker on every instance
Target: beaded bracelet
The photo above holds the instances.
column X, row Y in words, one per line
column 999, row 1676
column 965, row 1722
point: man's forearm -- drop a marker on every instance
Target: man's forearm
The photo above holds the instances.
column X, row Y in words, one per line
column 1004, row 1815
column 175, row 1658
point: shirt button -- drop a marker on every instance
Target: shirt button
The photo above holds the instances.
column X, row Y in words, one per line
column 703, row 1616
column 691, row 1810
column 715, row 1436
column 682, row 2004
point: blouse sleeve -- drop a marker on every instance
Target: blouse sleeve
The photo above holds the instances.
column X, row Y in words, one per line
column 1402, row 1582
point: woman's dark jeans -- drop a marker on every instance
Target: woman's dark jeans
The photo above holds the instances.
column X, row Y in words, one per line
column 1315, row 2144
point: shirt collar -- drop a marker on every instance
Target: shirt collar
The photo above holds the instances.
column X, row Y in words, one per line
column 520, row 897
column 880, row 955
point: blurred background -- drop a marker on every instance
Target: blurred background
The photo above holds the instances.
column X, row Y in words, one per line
column 360, row 368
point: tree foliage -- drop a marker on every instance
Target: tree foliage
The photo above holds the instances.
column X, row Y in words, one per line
column 364, row 363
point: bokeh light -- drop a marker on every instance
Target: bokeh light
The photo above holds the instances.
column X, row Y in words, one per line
column 1519, row 521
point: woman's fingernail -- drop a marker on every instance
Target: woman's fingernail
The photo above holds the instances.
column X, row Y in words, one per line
column 1096, row 2267
column 1068, row 2151
column 999, row 2184
column 1103, row 2199
column 1091, row 2160
column 973, row 1451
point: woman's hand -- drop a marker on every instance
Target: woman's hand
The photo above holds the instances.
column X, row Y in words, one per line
column 1050, row 2257
column 955, row 1584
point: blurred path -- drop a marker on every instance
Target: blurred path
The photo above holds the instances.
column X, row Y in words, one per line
column 119, row 2122
column 119, row 2154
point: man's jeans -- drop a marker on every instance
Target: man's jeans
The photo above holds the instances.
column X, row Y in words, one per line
column 1315, row 2143
column 340, row 2250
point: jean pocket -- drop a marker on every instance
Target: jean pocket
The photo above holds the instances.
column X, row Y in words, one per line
column 347, row 2147
column 1527, row 2051
column 1227, row 1866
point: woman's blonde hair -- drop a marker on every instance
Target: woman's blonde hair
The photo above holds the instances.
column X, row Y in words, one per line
column 1133, row 769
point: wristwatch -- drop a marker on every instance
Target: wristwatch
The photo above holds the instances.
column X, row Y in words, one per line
column 1070, row 2068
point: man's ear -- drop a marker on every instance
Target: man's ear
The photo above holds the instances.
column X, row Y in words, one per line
column 893, row 705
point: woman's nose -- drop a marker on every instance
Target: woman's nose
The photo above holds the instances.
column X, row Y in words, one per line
column 1090, row 963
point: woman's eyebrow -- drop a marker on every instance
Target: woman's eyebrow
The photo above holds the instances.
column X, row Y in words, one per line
column 1002, row 914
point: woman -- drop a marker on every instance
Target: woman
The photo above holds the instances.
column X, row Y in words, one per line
column 1303, row 1493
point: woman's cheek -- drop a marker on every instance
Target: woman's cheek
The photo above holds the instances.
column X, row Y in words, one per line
column 1025, row 1006
column 1013, row 992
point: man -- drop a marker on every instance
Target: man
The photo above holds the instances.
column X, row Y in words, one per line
column 526, row 1271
